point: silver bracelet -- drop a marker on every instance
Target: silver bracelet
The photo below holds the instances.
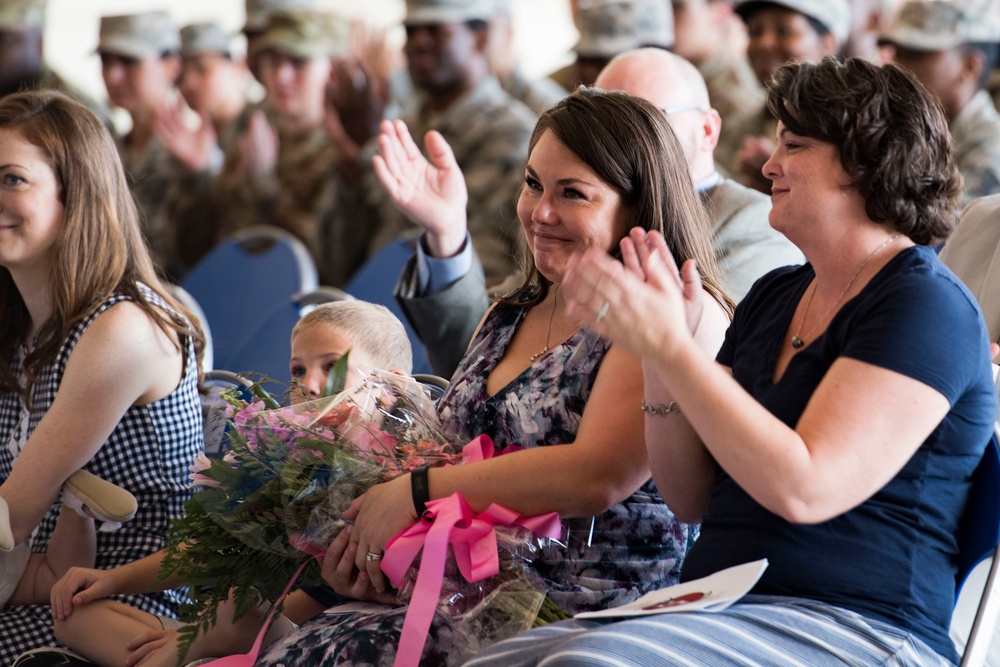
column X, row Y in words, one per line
column 661, row 410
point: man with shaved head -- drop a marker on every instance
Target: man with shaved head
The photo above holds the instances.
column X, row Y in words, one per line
column 445, row 312
column 745, row 244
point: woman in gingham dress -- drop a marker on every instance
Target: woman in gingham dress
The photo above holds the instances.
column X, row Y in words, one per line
column 99, row 366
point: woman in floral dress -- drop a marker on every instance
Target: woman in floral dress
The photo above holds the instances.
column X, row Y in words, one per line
column 567, row 402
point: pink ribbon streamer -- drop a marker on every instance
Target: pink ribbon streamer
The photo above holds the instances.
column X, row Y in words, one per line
column 473, row 538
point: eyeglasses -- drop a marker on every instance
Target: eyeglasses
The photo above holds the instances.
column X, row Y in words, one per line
column 670, row 111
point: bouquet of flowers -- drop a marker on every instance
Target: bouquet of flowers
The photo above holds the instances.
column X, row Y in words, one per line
column 291, row 472
column 288, row 471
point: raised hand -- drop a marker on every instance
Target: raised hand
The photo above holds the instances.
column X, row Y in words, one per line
column 355, row 103
column 259, row 148
column 194, row 148
column 431, row 193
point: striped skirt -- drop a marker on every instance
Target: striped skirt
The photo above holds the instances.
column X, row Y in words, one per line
column 762, row 631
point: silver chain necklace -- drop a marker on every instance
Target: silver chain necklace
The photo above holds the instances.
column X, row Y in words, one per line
column 798, row 342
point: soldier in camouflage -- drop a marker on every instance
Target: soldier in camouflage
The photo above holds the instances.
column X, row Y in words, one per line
column 779, row 31
column 214, row 84
column 140, row 65
column 952, row 47
column 486, row 127
column 280, row 174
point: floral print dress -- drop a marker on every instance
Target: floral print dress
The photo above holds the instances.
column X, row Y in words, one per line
column 632, row 548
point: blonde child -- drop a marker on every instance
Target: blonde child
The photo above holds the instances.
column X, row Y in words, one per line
column 93, row 626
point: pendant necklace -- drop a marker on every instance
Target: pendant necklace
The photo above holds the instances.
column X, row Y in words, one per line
column 548, row 335
column 798, row 342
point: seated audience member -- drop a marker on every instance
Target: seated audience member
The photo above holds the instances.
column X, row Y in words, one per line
column 534, row 379
column 446, row 53
column 779, row 31
column 140, row 66
column 99, row 365
column 973, row 253
column 278, row 172
column 952, row 47
column 709, row 35
column 444, row 298
column 851, row 401
column 112, row 633
column 214, row 84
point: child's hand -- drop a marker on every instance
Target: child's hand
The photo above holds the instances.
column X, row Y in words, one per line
column 154, row 648
column 79, row 586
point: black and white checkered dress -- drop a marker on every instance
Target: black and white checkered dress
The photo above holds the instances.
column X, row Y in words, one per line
column 148, row 453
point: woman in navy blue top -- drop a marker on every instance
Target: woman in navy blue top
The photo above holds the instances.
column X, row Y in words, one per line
column 851, row 401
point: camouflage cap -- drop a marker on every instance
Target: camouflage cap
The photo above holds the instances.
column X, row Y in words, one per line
column 16, row 15
column 835, row 15
column 610, row 27
column 258, row 11
column 199, row 38
column 927, row 25
column 448, row 11
column 138, row 35
column 305, row 34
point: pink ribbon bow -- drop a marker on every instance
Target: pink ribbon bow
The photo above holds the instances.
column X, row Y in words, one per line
column 473, row 538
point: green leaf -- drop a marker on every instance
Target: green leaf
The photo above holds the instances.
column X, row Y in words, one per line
column 337, row 378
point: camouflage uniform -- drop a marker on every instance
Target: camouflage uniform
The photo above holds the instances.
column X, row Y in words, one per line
column 936, row 25
column 194, row 210
column 757, row 122
column 976, row 134
column 152, row 174
column 733, row 90
column 150, row 169
column 295, row 194
column 488, row 130
column 291, row 196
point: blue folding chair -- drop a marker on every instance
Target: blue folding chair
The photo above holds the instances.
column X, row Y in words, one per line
column 376, row 282
column 978, row 540
column 245, row 280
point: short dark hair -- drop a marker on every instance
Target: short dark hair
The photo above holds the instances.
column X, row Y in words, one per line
column 890, row 133
column 629, row 144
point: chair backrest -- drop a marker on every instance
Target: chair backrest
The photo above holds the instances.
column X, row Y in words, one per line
column 376, row 282
column 434, row 384
column 244, row 280
column 978, row 539
column 213, row 407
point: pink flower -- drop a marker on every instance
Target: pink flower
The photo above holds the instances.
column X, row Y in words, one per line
column 201, row 463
